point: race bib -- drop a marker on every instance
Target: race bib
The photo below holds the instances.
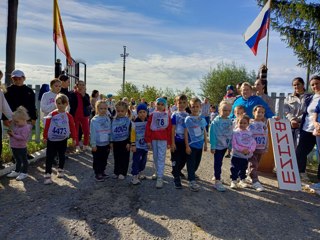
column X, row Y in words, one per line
column 59, row 127
column 160, row 120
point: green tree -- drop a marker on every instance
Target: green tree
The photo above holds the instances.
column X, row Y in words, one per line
column 213, row 85
column 150, row 93
column 187, row 91
column 130, row 90
column 298, row 22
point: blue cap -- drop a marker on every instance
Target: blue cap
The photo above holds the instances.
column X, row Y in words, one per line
column 141, row 106
column 161, row 100
column 109, row 95
column 229, row 87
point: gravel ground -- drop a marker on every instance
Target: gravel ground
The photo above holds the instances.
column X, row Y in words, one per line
column 77, row 207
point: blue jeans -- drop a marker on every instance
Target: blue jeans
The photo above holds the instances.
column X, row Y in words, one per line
column 139, row 160
column 193, row 162
column 20, row 155
column 208, row 122
column 218, row 157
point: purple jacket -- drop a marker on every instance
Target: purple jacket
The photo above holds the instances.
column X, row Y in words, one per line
column 20, row 136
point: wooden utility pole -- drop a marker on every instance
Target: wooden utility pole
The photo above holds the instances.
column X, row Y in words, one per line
column 11, row 39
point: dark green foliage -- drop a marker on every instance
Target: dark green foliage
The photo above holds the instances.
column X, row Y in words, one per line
column 213, row 85
column 298, row 22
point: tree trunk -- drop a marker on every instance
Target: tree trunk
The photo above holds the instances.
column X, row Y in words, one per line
column 11, row 39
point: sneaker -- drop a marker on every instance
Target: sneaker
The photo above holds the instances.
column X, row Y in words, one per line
column 60, row 173
column 243, row 184
column 141, row 176
column 121, row 177
column 104, row 175
column 13, row 174
column 135, row 180
column 219, row 186
column 194, row 186
column 257, row 186
column 78, row 149
column 22, row 176
column 114, row 176
column 233, row 184
column 304, row 177
column 159, row 183
column 177, row 183
column 154, row 176
column 99, row 178
column 47, row 179
column 248, row 179
column 86, row 148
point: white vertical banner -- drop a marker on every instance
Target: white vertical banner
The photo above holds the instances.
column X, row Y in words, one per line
column 284, row 155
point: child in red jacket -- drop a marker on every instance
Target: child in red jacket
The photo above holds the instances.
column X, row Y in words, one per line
column 158, row 135
column 59, row 125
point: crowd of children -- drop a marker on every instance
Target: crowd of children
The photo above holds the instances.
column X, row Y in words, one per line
column 114, row 127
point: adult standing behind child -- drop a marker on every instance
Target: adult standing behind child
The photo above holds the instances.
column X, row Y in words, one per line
column 178, row 146
column 159, row 137
column 138, row 144
column 220, row 140
column 243, row 146
column 195, row 135
column 230, row 96
column 80, row 110
column 100, row 136
column 19, row 135
column 59, row 125
column 120, row 135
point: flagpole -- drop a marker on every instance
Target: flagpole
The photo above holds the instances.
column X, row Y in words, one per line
column 267, row 52
column 54, row 22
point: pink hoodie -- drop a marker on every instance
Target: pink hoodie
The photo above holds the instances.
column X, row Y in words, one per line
column 20, row 136
column 241, row 140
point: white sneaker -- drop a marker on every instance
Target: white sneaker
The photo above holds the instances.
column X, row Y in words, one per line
column 257, row 186
column 159, row 183
column 135, row 180
column 304, row 177
column 243, row 184
column 141, row 176
column 121, row 177
column 78, row 149
column 22, row 176
column 47, row 179
column 13, row 174
column 154, row 176
column 233, row 184
column 60, row 173
column 248, row 179
column 86, row 148
column 219, row 186
column 194, row 186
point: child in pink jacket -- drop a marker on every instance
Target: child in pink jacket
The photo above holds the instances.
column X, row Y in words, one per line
column 243, row 146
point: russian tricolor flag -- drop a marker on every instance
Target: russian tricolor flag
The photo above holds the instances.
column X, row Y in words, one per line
column 258, row 29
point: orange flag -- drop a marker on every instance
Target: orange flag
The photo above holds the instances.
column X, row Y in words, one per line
column 59, row 36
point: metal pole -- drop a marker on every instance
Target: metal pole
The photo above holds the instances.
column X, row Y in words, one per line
column 124, row 55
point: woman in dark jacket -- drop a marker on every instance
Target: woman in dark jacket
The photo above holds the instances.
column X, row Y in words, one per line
column 307, row 140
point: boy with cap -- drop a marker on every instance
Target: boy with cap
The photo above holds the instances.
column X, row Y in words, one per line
column 158, row 135
column 138, row 144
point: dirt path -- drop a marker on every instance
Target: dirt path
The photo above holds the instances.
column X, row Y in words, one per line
column 77, row 207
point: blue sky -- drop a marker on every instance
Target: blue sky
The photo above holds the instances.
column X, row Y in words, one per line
column 171, row 43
